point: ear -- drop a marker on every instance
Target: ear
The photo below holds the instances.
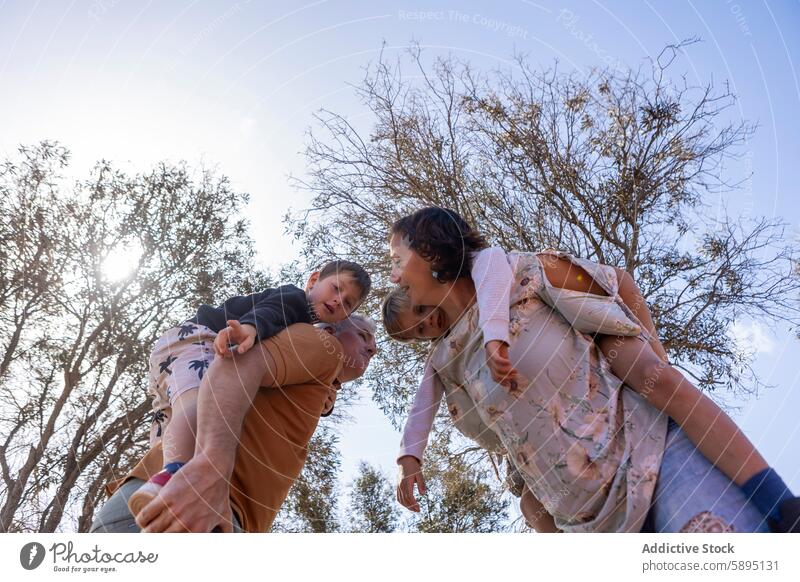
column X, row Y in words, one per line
column 312, row 280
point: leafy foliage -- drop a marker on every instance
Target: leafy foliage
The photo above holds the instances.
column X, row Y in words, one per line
column 372, row 502
column 617, row 167
column 76, row 330
column 463, row 496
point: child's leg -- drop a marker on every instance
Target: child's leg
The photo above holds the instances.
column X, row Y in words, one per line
column 707, row 426
column 177, row 365
column 712, row 431
column 178, row 448
column 179, row 436
column 535, row 514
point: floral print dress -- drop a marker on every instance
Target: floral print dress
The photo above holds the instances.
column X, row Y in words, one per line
column 589, row 450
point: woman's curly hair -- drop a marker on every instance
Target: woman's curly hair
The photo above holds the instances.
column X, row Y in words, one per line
column 443, row 238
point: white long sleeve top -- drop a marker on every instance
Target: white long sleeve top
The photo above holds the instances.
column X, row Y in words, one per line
column 493, row 278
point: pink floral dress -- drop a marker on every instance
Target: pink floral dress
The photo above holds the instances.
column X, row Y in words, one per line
column 588, row 449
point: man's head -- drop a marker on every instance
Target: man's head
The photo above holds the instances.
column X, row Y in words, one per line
column 357, row 336
column 336, row 290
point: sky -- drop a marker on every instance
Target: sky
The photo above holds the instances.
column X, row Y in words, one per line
column 235, row 86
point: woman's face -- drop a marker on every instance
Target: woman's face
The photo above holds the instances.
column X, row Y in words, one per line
column 413, row 273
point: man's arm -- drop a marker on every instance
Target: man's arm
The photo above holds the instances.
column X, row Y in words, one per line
column 197, row 498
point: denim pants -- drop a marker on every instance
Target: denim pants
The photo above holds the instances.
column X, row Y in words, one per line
column 693, row 495
column 115, row 517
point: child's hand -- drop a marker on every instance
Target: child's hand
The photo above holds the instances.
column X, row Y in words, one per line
column 243, row 336
column 497, row 360
column 410, row 472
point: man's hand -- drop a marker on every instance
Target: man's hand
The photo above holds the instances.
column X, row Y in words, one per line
column 330, row 400
column 410, row 472
column 499, row 364
column 196, row 499
column 242, row 336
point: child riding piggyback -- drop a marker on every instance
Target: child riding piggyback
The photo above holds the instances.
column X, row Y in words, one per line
column 183, row 353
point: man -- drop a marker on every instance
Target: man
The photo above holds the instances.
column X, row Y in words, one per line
column 256, row 414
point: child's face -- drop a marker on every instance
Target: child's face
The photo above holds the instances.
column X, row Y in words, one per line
column 423, row 322
column 335, row 297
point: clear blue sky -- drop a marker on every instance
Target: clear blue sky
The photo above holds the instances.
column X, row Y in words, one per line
column 235, row 85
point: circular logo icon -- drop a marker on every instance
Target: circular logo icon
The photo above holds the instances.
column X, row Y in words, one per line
column 31, row 555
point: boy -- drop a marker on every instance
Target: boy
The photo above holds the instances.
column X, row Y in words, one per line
column 183, row 353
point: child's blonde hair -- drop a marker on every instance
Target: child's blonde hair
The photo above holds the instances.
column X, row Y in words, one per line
column 395, row 303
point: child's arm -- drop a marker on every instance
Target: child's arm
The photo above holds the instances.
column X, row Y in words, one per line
column 493, row 278
column 239, row 337
column 415, row 438
column 269, row 313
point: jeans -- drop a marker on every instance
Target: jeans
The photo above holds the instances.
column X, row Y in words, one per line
column 115, row 517
column 691, row 489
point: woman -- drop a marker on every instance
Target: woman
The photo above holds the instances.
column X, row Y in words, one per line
column 590, row 452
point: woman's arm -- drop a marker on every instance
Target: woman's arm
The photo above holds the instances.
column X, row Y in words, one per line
column 631, row 295
column 420, row 417
column 712, row 431
column 709, row 428
column 562, row 273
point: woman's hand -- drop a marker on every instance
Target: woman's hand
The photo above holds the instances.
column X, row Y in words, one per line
column 409, row 474
column 239, row 337
column 499, row 363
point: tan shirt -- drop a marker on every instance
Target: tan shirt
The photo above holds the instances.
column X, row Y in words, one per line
column 276, row 431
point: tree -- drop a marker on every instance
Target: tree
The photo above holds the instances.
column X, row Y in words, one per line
column 76, row 331
column 617, row 167
column 372, row 502
column 620, row 168
column 462, row 496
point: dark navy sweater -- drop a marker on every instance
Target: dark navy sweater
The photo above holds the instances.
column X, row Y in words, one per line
column 270, row 311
